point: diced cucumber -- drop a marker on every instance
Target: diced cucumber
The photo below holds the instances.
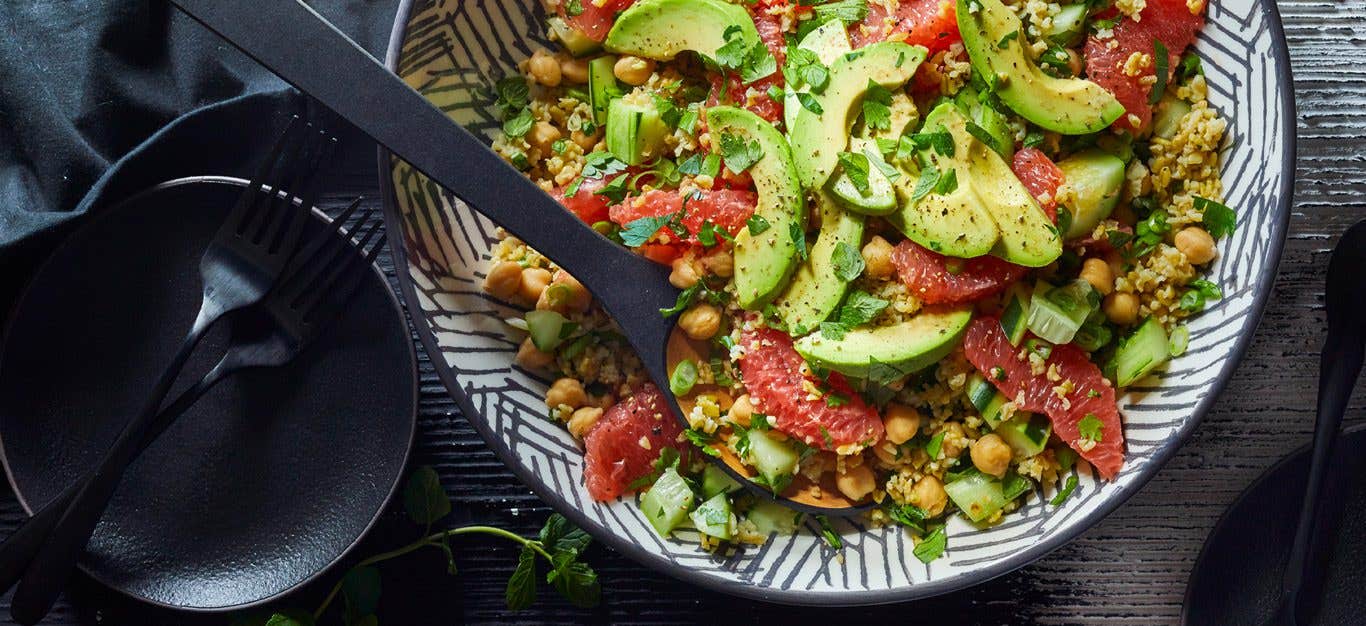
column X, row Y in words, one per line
column 1095, row 178
column 979, row 496
column 770, row 517
column 989, row 119
column 635, row 132
column 1026, row 433
column 775, row 460
column 983, row 394
column 1167, row 116
column 716, row 481
column 1055, row 314
column 603, row 87
column 1069, row 24
column 713, row 518
column 667, row 503
column 548, row 329
column 880, row 198
column 574, row 40
column 1140, row 353
column 1119, row 144
column 1093, row 335
column 1015, row 318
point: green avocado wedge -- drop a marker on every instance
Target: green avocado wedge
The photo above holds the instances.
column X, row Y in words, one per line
column 956, row 223
column 816, row 288
column 819, row 138
column 993, row 36
column 895, row 350
column 765, row 261
column 829, row 42
column 660, row 29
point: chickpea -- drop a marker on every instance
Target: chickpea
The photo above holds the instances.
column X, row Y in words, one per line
column 542, row 135
column 700, row 321
column 953, row 440
column 877, row 257
column 534, row 281
column 902, row 422
column 574, row 70
column 564, row 294
column 1121, row 308
column 1196, row 244
column 566, row 392
column 991, row 455
column 741, row 411
column 504, row 280
column 1097, row 272
column 886, row 452
column 633, row 70
column 685, row 272
column 856, row 482
column 719, row 262
column 585, row 141
column 928, row 494
column 544, row 69
column 583, row 421
column 531, row 357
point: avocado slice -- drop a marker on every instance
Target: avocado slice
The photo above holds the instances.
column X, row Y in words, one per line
column 988, row 119
column 765, row 261
column 829, row 41
column 907, row 346
column 660, row 29
column 994, row 38
column 820, row 138
column 1096, row 178
column 955, row 223
column 880, row 198
column 989, row 211
column 816, row 290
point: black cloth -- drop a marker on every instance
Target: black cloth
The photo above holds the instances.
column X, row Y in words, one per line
column 101, row 98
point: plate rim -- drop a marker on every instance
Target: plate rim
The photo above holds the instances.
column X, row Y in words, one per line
column 414, row 397
column 1265, row 282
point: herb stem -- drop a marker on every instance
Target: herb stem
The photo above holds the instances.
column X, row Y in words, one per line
column 433, row 539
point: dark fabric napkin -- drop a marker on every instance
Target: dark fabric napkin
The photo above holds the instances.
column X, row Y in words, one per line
column 102, row 98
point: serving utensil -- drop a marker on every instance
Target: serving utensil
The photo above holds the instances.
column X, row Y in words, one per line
column 305, row 50
column 240, row 266
column 1339, row 368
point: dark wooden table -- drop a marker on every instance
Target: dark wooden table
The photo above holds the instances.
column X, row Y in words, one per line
column 1130, row 569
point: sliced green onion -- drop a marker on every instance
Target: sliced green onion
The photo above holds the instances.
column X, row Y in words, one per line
column 683, row 378
column 1180, row 339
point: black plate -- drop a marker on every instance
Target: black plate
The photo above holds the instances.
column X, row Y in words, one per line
column 1237, row 578
column 273, row 476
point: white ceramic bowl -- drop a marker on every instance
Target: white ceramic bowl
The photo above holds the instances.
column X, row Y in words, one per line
column 455, row 50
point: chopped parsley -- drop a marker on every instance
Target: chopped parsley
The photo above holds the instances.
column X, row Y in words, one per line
column 1159, row 72
column 1219, row 220
column 1033, row 139
column 1005, row 41
column 1066, row 491
column 931, row 546
column 1200, row 290
column 794, row 230
column 738, row 154
column 637, row 232
column 574, row 8
column 757, row 224
column 709, row 234
column 809, row 102
column 935, row 446
column 855, row 166
column 929, row 179
column 877, row 107
column 848, row 11
column 887, row 170
column 828, row 533
column 941, row 141
column 984, row 136
column 948, row 183
column 700, row 164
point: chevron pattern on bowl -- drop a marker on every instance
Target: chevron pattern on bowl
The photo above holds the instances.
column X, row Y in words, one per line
column 453, row 51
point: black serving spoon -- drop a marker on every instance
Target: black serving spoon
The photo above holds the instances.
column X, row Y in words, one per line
column 1339, row 367
column 305, row 50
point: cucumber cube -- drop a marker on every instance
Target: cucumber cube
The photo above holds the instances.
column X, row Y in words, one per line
column 667, row 503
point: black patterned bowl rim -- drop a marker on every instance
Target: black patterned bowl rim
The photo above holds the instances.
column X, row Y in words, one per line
column 1265, row 280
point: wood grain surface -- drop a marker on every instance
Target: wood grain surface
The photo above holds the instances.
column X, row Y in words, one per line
column 1130, row 569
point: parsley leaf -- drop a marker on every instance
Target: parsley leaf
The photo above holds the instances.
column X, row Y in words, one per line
column 929, row 179
column 615, row 190
column 847, row 260
column 908, row 515
column 794, row 230
column 809, row 102
column 941, row 141
column 709, row 234
column 637, row 232
column 574, row 8
column 877, row 110
column 1159, row 72
column 732, row 53
column 855, row 166
column 758, row 63
column 738, row 154
column 931, row 546
column 948, row 183
column 757, row 224
column 1218, row 218
column 1090, row 428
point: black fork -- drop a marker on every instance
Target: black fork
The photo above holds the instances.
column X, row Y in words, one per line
column 244, row 260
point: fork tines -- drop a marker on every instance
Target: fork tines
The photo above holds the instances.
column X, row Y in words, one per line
column 287, row 177
column 332, row 263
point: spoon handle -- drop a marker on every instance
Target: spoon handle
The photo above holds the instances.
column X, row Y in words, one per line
column 322, row 62
column 1340, row 365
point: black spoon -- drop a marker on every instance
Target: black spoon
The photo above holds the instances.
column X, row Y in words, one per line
column 1339, row 367
column 305, row 50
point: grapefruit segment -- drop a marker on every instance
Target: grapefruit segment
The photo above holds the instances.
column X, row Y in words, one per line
column 625, row 443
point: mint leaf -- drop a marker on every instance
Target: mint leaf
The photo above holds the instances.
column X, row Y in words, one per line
column 948, row 183
column 561, row 535
column 575, row 580
column 860, row 307
column 1219, row 220
column 834, row 331
column 519, row 124
column 521, row 589
column 931, row 546
column 809, row 102
column 929, row 179
column 848, row 11
column 847, row 260
column 513, row 94
column 424, row 498
column 757, row 224
column 875, row 159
